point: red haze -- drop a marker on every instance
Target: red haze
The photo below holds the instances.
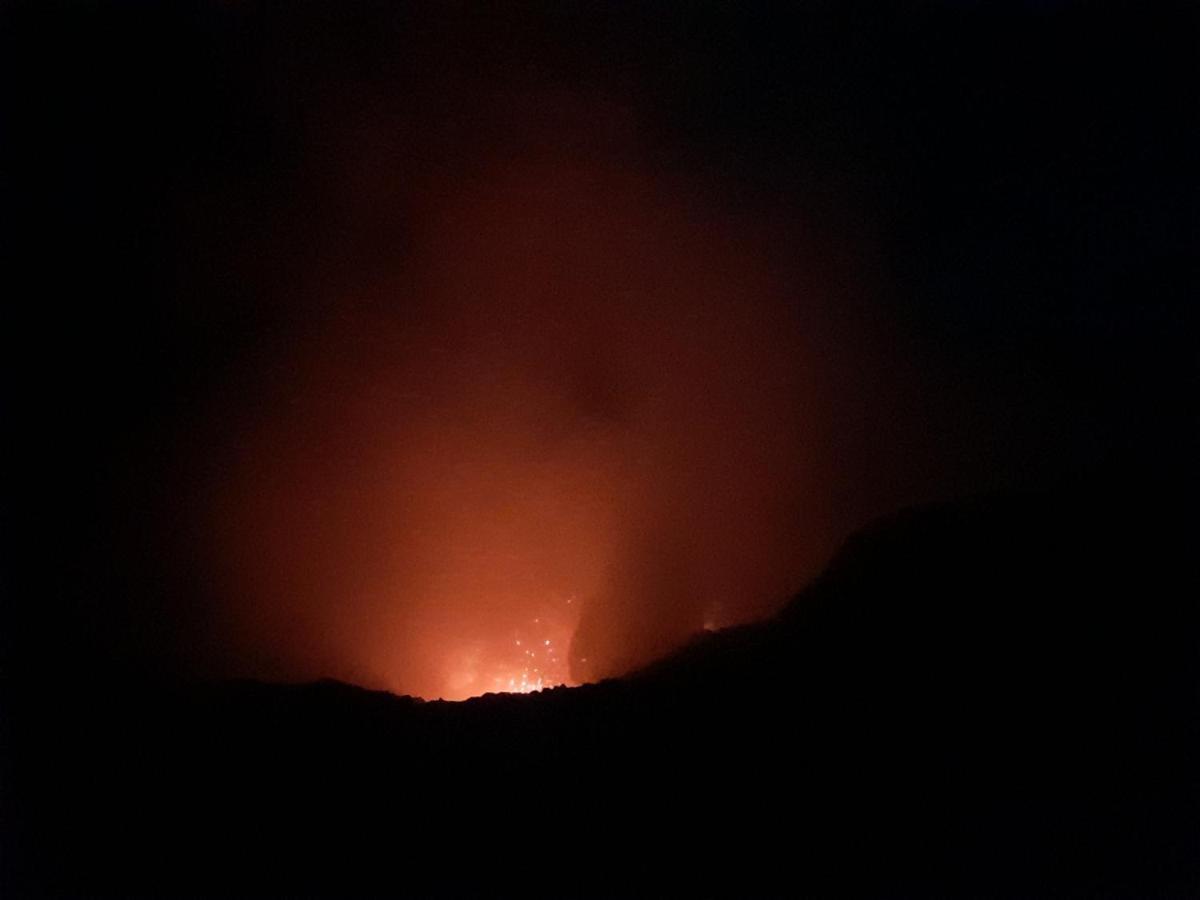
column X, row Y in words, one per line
column 574, row 398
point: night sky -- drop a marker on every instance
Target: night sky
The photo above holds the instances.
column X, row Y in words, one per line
column 367, row 340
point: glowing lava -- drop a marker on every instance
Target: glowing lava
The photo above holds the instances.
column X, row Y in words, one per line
column 533, row 657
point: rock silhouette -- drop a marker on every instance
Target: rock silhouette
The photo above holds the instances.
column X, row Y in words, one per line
column 988, row 698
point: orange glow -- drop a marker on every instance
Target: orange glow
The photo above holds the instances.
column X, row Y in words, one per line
column 582, row 415
column 535, row 658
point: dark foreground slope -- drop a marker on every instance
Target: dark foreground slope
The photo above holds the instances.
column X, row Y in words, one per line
column 995, row 698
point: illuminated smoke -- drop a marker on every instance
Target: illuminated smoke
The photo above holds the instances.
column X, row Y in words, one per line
column 576, row 399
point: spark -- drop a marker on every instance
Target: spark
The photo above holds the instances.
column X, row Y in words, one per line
column 529, row 671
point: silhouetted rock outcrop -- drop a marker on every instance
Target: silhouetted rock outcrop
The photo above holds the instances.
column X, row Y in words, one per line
column 990, row 698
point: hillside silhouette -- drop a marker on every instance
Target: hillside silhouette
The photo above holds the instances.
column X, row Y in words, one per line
column 989, row 698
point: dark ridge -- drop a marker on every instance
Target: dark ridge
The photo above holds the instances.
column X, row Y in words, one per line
column 989, row 698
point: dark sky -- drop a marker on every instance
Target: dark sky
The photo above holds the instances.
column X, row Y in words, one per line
column 368, row 339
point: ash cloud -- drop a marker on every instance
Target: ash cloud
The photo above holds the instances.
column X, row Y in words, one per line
column 572, row 396
column 423, row 331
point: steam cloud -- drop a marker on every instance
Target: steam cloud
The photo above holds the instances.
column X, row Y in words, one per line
column 565, row 394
